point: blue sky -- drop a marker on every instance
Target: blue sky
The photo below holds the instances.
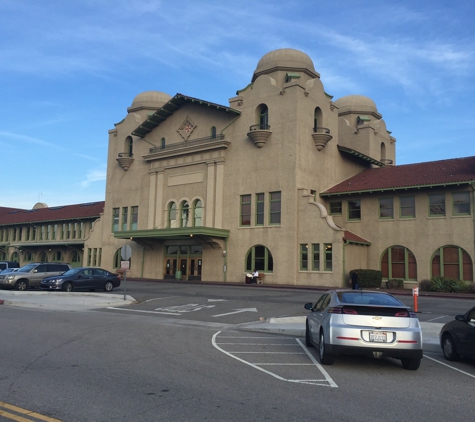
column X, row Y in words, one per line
column 69, row 70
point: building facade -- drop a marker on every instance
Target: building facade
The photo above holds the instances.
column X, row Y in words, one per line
column 286, row 180
column 49, row 234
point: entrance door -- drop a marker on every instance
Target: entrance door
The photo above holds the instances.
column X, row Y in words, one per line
column 170, row 267
column 184, row 268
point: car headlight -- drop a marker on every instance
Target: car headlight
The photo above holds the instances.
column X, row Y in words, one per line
column 10, row 277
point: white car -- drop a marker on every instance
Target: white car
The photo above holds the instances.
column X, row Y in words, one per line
column 363, row 322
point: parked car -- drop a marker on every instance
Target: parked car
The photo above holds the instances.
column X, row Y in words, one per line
column 9, row 270
column 31, row 275
column 363, row 322
column 8, row 264
column 82, row 278
column 457, row 338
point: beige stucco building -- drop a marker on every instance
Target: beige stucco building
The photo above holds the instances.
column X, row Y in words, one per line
column 285, row 179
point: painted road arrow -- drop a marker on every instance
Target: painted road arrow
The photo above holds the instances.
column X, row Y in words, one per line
column 237, row 311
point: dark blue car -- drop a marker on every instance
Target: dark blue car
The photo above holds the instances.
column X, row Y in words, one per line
column 457, row 338
column 83, row 278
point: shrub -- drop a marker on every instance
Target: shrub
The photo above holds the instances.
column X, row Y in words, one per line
column 369, row 279
column 471, row 287
column 425, row 285
column 395, row 283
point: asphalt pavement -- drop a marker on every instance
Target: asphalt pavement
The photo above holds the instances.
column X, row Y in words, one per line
column 79, row 301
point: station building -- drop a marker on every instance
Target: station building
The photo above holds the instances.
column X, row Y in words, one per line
column 284, row 179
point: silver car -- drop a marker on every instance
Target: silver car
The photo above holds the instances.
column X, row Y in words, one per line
column 360, row 322
column 31, row 275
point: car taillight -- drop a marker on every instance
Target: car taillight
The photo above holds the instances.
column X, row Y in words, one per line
column 408, row 314
column 350, row 311
column 335, row 310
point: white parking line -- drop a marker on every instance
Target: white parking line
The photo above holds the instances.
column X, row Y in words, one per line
column 433, row 319
column 449, row 366
column 326, row 382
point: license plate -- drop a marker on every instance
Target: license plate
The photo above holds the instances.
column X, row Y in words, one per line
column 378, row 336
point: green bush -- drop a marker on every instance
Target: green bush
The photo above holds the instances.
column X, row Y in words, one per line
column 369, row 279
column 395, row 283
column 425, row 285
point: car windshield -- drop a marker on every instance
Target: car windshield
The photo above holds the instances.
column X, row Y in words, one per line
column 8, row 270
column 27, row 268
column 73, row 271
column 368, row 298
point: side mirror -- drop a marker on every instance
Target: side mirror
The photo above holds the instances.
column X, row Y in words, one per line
column 460, row 318
column 308, row 306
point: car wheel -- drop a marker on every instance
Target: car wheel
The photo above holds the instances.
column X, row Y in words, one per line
column 21, row 285
column 449, row 349
column 308, row 340
column 325, row 358
column 68, row 287
column 411, row 364
column 108, row 286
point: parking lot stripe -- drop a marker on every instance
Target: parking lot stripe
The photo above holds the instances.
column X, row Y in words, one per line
column 449, row 366
column 325, row 373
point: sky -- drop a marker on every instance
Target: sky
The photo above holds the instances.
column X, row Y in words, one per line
column 69, row 70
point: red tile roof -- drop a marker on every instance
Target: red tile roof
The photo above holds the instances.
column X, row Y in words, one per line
column 432, row 173
column 66, row 212
column 354, row 238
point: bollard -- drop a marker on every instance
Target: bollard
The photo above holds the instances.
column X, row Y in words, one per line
column 415, row 294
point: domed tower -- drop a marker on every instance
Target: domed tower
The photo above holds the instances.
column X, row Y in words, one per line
column 362, row 129
column 149, row 100
column 284, row 64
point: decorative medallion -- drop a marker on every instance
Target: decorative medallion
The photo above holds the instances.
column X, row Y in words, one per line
column 186, row 128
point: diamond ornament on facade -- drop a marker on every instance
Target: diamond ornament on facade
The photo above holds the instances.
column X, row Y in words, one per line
column 186, row 128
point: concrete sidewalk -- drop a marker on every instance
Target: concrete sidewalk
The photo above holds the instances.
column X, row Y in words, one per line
column 74, row 301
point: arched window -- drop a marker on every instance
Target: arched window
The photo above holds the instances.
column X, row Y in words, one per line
column 259, row 258
column 452, row 262
column 57, row 256
column 383, row 151
column 75, row 260
column 197, row 213
column 317, row 119
column 172, row 215
column 3, row 256
column 129, row 146
column 263, row 117
column 162, row 143
column 398, row 262
column 213, row 132
column 28, row 257
column 184, row 214
column 43, row 257
column 15, row 257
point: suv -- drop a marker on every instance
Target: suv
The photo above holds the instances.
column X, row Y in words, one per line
column 31, row 275
column 8, row 264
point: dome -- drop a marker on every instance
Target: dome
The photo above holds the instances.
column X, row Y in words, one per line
column 150, row 99
column 357, row 103
column 285, row 59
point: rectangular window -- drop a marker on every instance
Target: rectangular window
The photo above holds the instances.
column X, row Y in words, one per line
column 259, row 209
column 125, row 215
column 134, row 218
column 55, row 230
column 407, row 206
column 328, row 256
column 304, row 257
column 245, row 210
column 99, row 256
column 437, row 205
column 42, row 232
column 63, row 231
column 70, row 229
column 314, row 195
column 80, row 230
column 354, row 210
column 461, row 203
column 89, row 256
column 33, row 233
column 275, row 207
column 316, row 257
column 335, row 208
column 20, row 232
column 115, row 219
column 386, row 208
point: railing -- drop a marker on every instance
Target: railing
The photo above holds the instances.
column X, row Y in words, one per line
column 259, row 127
column 197, row 141
column 125, row 154
column 321, row 130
